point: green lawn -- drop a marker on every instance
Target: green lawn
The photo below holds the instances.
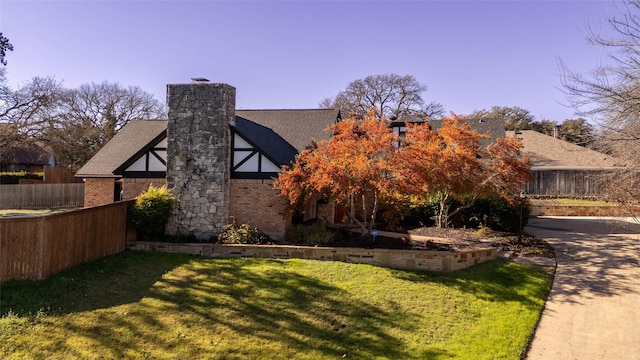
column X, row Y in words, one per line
column 571, row 202
column 166, row 306
column 33, row 212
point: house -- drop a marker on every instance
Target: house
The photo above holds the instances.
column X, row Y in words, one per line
column 219, row 161
column 15, row 155
column 232, row 153
column 562, row 169
column 492, row 128
column 30, row 158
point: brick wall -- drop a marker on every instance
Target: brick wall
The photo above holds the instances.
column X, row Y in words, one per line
column 133, row 187
column 98, row 191
column 255, row 202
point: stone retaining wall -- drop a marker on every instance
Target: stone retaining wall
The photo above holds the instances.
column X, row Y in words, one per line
column 400, row 259
column 572, row 210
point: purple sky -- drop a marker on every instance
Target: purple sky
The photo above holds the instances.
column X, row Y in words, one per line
column 292, row 54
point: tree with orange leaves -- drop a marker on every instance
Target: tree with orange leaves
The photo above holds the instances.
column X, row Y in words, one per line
column 364, row 161
column 353, row 165
column 451, row 164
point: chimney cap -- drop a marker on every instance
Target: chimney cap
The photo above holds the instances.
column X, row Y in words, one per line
column 199, row 79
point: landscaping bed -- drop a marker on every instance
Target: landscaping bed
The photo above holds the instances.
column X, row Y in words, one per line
column 452, row 239
column 464, row 238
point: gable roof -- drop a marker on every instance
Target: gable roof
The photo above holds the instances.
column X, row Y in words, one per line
column 549, row 153
column 272, row 145
column 133, row 137
column 297, row 127
column 17, row 152
column 278, row 134
column 32, row 154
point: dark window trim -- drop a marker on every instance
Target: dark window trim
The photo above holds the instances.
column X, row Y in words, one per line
column 253, row 175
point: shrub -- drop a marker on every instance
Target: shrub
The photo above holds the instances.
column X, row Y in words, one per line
column 312, row 234
column 496, row 213
column 15, row 176
column 152, row 209
column 243, row 234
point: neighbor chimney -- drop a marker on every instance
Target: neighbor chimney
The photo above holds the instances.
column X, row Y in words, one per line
column 198, row 156
column 556, row 132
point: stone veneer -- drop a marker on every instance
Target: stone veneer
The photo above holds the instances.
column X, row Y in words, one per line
column 198, row 156
column 400, row 259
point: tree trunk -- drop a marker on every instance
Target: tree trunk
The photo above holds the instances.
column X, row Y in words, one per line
column 442, row 218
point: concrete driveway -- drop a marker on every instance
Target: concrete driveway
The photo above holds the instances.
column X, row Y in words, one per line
column 593, row 310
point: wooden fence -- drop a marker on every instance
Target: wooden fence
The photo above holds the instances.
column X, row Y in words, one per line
column 565, row 183
column 41, row 196
column 36, row 247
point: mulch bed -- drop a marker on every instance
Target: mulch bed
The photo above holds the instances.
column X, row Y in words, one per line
column 466, row 238
column 450, row 239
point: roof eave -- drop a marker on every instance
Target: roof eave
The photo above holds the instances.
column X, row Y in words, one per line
column 104, row 176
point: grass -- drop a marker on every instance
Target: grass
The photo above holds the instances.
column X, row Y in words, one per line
column 571, row 202
column 33, row 211
column 167, row 306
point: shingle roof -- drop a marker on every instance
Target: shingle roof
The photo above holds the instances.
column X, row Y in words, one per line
column 548, row 152
column 36, row 153
column 494, row 128
column 267, row 141
column 280, row 134
column 126, row 143
column 297, row 127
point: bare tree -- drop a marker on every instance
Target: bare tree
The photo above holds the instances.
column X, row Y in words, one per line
column 21, row 111
column 75, row 123
column 610, row 94
column 91, row 115
column 391, row 95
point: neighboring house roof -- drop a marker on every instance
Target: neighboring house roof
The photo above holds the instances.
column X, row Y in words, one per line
column 297, row 127
column 494, row 128
column 133, row 137
column 36, row 154
column 549, row 153
column 32, row 153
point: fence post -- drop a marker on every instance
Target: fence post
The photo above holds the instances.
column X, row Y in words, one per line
column 40, row 231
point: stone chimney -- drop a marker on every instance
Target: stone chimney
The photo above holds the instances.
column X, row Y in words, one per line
column 198, row 156
column 556, row 132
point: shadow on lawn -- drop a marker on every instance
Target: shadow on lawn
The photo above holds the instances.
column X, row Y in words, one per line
column 303, row 312
column 123, row 278
column 496, row 280
column 219, row 298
